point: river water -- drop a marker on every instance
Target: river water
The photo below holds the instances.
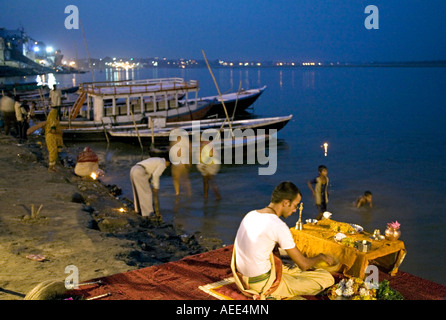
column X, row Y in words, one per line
column 385, row 132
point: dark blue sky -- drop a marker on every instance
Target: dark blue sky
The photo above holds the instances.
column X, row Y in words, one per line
column 327, row 30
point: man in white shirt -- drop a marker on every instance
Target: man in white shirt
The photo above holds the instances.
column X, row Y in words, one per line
column 142, row 192
column 8, row 112
column 257, row 271
column 55, row 97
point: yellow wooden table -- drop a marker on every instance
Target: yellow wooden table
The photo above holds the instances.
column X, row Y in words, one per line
column 314, row 239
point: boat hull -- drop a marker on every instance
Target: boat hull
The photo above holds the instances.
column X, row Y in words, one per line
column 234, row 103
column 143, row 133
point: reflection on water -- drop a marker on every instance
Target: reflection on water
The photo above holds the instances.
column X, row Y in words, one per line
column 308, row 79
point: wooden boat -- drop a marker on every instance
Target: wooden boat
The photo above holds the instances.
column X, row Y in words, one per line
column 134, row 101
column 161, row 133
column 127, row 102
column 235, row 102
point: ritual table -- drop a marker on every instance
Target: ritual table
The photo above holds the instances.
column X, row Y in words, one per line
column 314, row 239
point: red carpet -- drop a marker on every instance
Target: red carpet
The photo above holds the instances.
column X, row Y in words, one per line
column 181, row 280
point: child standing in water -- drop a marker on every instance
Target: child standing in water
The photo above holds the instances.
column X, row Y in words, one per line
column 320, row 190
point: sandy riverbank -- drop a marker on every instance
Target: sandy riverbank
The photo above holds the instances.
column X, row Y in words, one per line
column 79, row 224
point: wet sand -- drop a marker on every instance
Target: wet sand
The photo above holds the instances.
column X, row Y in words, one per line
column 79, row 224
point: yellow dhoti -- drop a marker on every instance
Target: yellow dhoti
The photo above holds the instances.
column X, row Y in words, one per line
column 282, row 282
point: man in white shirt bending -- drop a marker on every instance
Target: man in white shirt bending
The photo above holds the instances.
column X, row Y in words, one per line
column 151, row 168
column 257, row 271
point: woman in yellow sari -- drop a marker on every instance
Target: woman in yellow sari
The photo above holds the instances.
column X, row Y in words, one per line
column 53, row 137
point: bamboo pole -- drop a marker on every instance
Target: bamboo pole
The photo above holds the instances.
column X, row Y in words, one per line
column 88, row 53
column 152, row 146
column 137, row 131
column 219, row 93
column 236, row 100
column 105, row 132
column 43, row 102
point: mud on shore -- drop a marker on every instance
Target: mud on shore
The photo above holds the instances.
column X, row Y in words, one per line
column 79, row 223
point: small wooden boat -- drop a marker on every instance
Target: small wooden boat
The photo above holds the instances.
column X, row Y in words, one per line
column 162, row 133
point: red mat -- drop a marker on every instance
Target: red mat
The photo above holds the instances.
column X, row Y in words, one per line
column 180, row 280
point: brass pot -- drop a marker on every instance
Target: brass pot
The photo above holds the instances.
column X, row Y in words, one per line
column 392, row 234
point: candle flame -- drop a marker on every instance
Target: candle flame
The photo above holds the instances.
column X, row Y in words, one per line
column 93, row 175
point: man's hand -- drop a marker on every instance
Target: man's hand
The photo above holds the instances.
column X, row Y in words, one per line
column 328, row 259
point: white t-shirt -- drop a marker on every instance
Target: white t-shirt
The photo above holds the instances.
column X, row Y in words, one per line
column 154, row 167
column 255, row 240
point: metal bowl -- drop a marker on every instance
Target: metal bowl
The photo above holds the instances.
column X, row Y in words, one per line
column 363, row 245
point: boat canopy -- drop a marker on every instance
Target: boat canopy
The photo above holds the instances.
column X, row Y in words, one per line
column 140, row 96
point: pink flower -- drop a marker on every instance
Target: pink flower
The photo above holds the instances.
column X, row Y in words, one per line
column 394, row 225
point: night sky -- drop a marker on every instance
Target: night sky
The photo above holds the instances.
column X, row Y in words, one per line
column 237, row 29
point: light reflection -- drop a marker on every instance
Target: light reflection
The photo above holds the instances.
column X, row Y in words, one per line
column 308, row 79
column 325, row 145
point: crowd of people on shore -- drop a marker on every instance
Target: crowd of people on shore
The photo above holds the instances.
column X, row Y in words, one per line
column 15, row 116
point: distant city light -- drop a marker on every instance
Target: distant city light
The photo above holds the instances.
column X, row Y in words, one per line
column 39, row 80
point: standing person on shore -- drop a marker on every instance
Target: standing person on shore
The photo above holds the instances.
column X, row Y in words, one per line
column 20, row 120
column 53, row 137
column 209, row 169
column 151, row 168
column 1, row 122
column 55, row 97
column 26, row 114
column 180, row 171
column 258, row 272
column 320, row 190
column 8, row 112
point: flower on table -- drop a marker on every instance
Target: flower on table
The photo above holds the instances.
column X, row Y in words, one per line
column 394, row 225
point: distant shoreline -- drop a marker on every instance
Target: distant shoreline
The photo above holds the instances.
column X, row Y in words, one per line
column 6, row 72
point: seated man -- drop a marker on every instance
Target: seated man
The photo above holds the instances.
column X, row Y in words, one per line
column 257, row 271
column 86, row 163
